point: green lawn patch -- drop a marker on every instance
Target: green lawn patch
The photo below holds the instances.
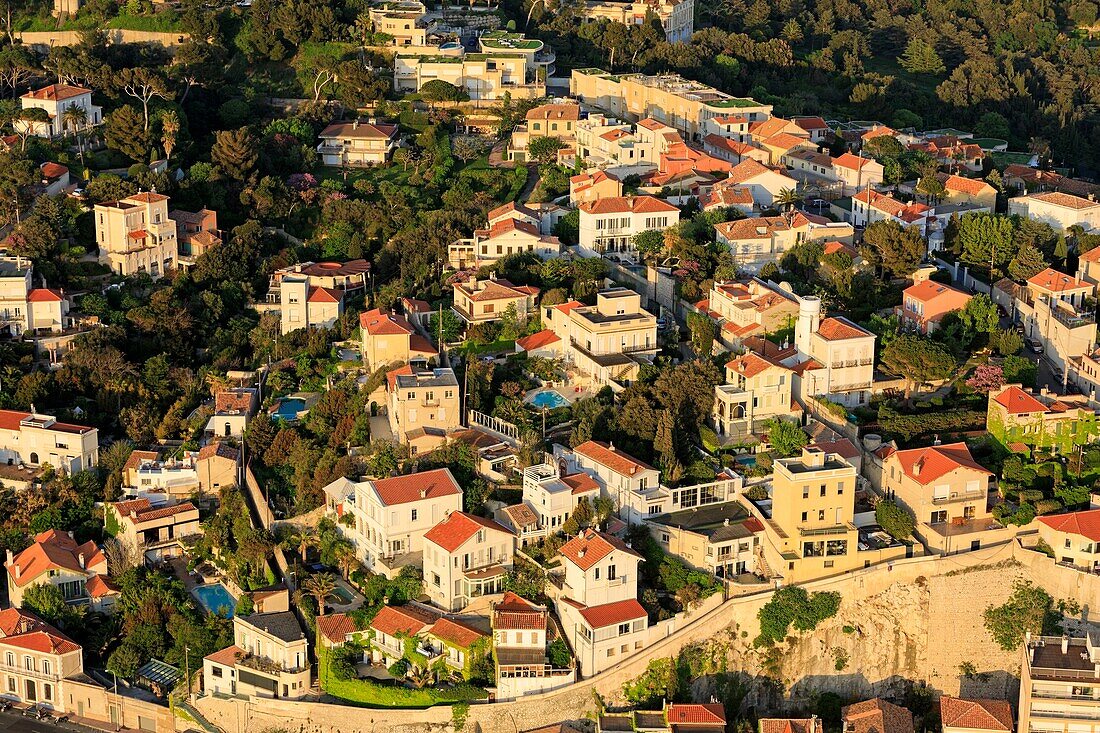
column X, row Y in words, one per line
column 371, row 694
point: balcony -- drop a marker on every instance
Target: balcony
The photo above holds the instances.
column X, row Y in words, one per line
column 1084, row 713
column 613, row 351
column 840, row 529
column 852, row 363
column 955, row 496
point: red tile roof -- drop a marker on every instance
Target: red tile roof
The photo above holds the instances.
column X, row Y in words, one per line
column 54, row 550
column 580, row 483
column 44, row 295
column 99, row 586
column 837, row 329
column 811, row 123
column 926, row 465
column 357, row 129
column 609, row 614
column 611, row 457
column 555, row 112
column 457, row 528
column 416, row 487
column 57, row 92
column 406, row 620
column 853, row 162
column 377, row 322
column 318, row 294
column 1018, row 402
column 589, row 547
column 1065, row 200
column 969, row 186
column 147, row 197
column 876, row 716
column 1055, row 282
column 516, row 613
column 455, row 633
column 698, row 714
column 226, row 657
column 538, row 340
column 749, row 365
column 1086, row 523
column 336, row 626
column 52, row 170
column 627, row 204
column 976, row 714
column 929, row 290
column 746, row 170
column 229, row 400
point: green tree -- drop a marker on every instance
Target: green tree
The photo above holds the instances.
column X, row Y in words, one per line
column 895, row 248
column 438, row 90
column 931, row 188
column 451, row 328
column 34, row 121
column 918, row 360
column 920, row 57
column 793, row 605
column 703, row 332
column 785, row 437
column 544, row 149
column 1006, row 341
column 980, row 315
column 895, row 519
column 125, row 131
column 1029, row 608
column 47, row 602
column 235, row 153
column 649, row 243
column 1027, row 263
column 992, row 124
column 984, row 238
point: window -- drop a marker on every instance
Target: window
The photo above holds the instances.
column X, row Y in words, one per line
column 11, row 684
column 1068, row 544
column 10, row 659
column 414, row 513
column 216, row 671
column 435, row 579
column 610, row 572
column 597, row 573
column 821, row 515
column 822, row 489
column 45, row 666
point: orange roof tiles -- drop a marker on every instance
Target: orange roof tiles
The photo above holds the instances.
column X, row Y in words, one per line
column 54, row 550
column 336, row 626
column 416, row 487
column 697, row 714
column 377, row 322
column 876, row 716
column 318, row 294
column 785, row 141
column 57, row 92
column 838, row 329
column 853, row 162
column 957, row 712
column 538, row 340
column 589, row 547
column 970, row 186
column 611, row 457
column 1065, row 200
column 1018, row 402
column 748, row 365
column 929, row 290
column 811, row 123
column 1085, row 524
column 44, row 295
column 1055, row 282
column 554, row 112
column 455, row 633
column 746, row 170
column 147, row 197
column 457, row 528
column 610, row 614
column 580, row 483
column 926, row 465
column 516, row 613
column 226, row 657
column 408, row 620
column 627, row 204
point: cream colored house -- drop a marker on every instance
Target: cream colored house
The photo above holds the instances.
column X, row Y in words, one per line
column 633, row 485
column 269, row 658
column 723, row 539
column 466, row 557
column 589, row 187
column 870, row 206
column 483, row 301
column 924, row 304
column 945, row 490
column 553, row 497
column 961, row 190
column 482, row 76
column 856, row 172
column 669, row 98
column 389, row 337
column 56, row 559
column 308, row 306
column 1060, row 210
column 609, row 225
column 762, row 182
column 423, row 406
column 1074, row 537
column 39, row 440
column 391, row 515
column 750, row 307
column 833, row 357
column 965, row 715
column 504, row 237
column 155, row 531
column 401, row 20
column 677, row 16
column 598, row 607
column 757, row 241
column 609, row 340
column 357, row 143
column 1040, row 420
column 556, row 120
column 519, row 648
column 25, row 309
column 196, row 231
column 757, row 389
column 233, row 408
column 1057, row 686
column 136, row 235
column 1053, row 311
column 56, row 99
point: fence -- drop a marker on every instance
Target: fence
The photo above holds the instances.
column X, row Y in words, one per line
column 503, row 429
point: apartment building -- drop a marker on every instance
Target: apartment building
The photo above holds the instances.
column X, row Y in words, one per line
column 668, row 98
column 757, row 241
column 1074, row 537
column 553, row 496
column 634, row 486
column 869, row 207
column 1017, row 417
column 833, row 356
column 1059, row 688
column 520, row 639
column 856, row 173
column 423, row 406
column 609, row 340
column 677, row 17
column 1060, row 210
column 924, row 305
column 39, row 440
column 269, row 658
column 486, row 75
column 746, row 308
column 608, row 226
column 403, row 21
column 466, row 557
column 1051, row 308
column 966, row 715
column 196, row 231
column 25, row 309
column 56, row 99
column 722, row 539
column 484, row 301
column 389, row 337
column 55, row 559
column 757, row 389
column 945, row 490
column 598, row 607
column 391, row 515
column 154, row 531
column 357, row 143
column 556, row 120
column 135, row 235
column 39, row 661
column 589, row 187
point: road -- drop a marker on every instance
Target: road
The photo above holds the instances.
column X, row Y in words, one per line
column 12, row 722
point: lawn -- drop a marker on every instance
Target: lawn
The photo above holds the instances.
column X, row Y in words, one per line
column 164, row 22
column 371, row 694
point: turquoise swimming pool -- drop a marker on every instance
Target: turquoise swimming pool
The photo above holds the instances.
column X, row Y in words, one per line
column 549, row 399
column 343, row 596
column 288, row 408
column 215, row 598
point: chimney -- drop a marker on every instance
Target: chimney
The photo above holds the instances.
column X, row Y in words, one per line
column 11, row 558
column 936, row 440
column 133, row 514
column 423, row 493
column 70, row 533
column 1065, row 644
column 355, row 125
column 80, row 559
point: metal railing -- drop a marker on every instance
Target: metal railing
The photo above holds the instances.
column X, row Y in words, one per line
column 958, row 496
column 826, row 531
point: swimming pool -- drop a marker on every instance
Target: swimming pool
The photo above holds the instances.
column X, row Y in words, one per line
column 549, row 399
column 746, row 461
column 288, row 408
column 343, row 596
column 215, row 598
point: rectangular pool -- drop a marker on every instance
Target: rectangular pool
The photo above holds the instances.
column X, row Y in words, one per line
column 215, row 598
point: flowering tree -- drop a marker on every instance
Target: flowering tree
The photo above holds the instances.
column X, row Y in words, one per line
column 986, row 378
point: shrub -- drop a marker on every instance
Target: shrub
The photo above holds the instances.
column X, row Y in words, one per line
column 794, row 605
column 895, row 519
column 399, row 669
column 757, row 493
column 1047, row 506
column 1029, row 608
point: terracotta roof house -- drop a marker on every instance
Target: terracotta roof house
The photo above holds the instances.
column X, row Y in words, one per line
column 357, row 143
column 1073, row 537
column 876, row 716
column 925, row 304
column 960, row 715
column 466, row 556
column 54, row 558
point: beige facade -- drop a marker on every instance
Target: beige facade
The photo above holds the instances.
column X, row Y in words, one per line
column 609, row 340
column 136, row 235
column 589, row 187
column 608, row 226
column 547, row 120
column 56, row 99
column 483, row 301
column 401, row 20
column 633, row 485
column 25, row 309
column 757, row 389
column 55, row 559
column 680, row 103
column 1060, row 684
column 357, row 143
column 1053, row 311
column 520, row 640
column 677, row 17
column 723, row 539
column 466, row 557
column 1074, row 538
column 196, row 231
column 269, row 659
column 552, row 497
column 308, row 306
column 482, row 76
column 423, row 406
column 757, row 241
column 1060, row 210
column 834, row 357
column 389, row 337
column 391, row 515
column 39, row 440
column 750, row 307
column 158, row 530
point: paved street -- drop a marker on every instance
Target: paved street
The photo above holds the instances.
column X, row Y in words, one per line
column 13, row 722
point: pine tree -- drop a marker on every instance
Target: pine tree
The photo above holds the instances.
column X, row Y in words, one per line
column 792, row 32
column 1061, row 250
column 920, row 57
column 1028, row 262
column 125, row 131
column 664, row 444
column 235, row 153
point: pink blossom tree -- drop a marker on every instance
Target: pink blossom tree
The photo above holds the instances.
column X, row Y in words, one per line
column 986, row 378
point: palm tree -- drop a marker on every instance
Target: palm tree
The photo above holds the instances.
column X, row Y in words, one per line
column 421, row 677
column 320, row 586
column 169, row 130
column 787, row 199
column 74, row 117
column 344, row 552
column 300, row 540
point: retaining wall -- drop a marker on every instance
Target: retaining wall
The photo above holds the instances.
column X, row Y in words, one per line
column 43, row 41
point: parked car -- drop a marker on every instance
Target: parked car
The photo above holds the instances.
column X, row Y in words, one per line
column 1034, row 345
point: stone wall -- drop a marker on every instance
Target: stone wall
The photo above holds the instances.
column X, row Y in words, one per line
column 917, row 619
column 43, row 41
